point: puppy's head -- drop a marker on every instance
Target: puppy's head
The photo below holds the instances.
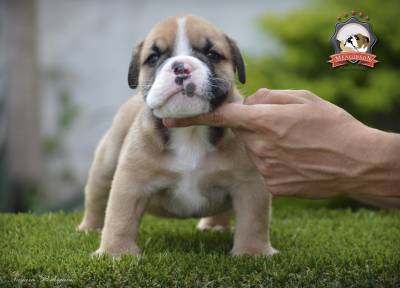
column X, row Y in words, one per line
column 185, row 67
column 362, row 41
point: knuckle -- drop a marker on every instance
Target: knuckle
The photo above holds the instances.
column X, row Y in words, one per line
column 305, row 93
column 217, row 117
column 262, row 92
column 308, row 94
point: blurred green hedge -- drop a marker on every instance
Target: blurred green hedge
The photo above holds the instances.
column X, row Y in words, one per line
column 371, row 95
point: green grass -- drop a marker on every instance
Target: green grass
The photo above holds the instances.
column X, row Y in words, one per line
column 321, row 245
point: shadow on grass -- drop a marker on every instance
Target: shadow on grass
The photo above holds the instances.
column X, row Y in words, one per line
column 197, row 242
column 337, row 203
column 347, row 203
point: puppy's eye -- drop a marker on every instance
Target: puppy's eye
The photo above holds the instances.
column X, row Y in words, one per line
column 152, row 59
column 214, row 56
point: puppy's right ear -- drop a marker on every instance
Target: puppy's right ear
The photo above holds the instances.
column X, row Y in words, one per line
column 134, row 67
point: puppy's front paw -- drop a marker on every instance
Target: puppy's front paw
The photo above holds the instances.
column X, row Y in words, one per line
column 117, row 252
column 267, row 250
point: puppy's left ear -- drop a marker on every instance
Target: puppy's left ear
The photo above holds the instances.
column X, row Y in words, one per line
column 134, row 67
column 237, row 58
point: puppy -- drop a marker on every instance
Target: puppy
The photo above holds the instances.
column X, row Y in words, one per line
column 357, row 43
column 184, row 67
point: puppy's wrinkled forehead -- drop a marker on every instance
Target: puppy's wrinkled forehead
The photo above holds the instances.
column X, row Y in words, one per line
column 182, row 35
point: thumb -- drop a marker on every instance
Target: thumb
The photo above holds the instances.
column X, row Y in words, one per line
column 232, row 115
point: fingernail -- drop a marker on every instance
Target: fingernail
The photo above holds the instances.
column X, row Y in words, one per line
column 168, row 122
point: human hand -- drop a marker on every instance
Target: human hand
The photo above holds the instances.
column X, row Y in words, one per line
column 305, row 146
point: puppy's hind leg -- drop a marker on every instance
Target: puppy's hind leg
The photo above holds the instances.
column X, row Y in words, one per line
column 219, row 222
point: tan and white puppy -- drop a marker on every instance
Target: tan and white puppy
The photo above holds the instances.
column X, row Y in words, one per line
column 355, row 43
column 184, row 67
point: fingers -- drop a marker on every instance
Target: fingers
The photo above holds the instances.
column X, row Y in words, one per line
column 233, row 115
column 266, row 96
column 236, row 115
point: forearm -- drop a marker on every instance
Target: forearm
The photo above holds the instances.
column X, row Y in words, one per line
column 377, row 172
column 307, row 147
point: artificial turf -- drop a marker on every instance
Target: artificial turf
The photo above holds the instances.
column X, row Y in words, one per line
column 321, row 245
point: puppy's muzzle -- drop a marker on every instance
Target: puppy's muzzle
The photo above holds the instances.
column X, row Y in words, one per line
column 183, row 72
column 181, row 88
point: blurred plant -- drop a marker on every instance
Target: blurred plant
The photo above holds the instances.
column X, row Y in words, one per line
column 60, row 173
column 67, row 113
column 371, row 95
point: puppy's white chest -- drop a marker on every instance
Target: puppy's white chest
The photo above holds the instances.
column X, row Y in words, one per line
column 190, row 147
column 191, row 193
column 188, row 194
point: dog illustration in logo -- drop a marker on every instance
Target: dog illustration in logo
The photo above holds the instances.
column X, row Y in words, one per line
column 355, row 43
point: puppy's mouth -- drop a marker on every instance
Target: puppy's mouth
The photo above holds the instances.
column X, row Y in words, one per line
column 166, row 99
column 188, row 90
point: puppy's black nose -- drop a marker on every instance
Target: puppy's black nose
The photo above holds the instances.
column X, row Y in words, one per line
column 178, row 67
column 181, row 70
